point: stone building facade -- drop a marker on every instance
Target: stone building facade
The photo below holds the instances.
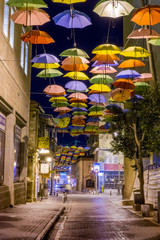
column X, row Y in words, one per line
column 14, row 109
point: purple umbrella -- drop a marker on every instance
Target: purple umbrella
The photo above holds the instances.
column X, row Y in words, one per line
column 93, row 119
column 76, row 85
column 77, row 109
column 72, row 19
column 97, row 98
column 45, row 58
column 101, row 64
column 128, row 74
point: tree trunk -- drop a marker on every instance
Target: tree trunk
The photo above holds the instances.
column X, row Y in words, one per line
column 141, row 178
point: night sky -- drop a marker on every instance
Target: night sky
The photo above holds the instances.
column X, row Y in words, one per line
column 86, row 39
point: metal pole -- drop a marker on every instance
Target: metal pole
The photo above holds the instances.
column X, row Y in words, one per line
column 96, row 182
column 118, row 177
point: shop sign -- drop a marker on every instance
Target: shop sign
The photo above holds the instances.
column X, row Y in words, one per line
column 97, row 167
column 2, row 122
column 43, row 142
column 44, row 169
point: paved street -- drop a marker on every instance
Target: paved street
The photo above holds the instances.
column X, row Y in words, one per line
column 100, row 217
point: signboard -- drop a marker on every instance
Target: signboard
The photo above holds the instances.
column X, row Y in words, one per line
column 2, row 122
column 44, row 169
column 96, row 167
column 43, row 142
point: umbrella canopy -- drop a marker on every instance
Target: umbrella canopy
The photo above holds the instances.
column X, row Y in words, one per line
column 136, row 98
column 113, row 9
column 79, row 113
column 105, row 63
column 68, row 1
column 76, row 75
column 27, row 3
column 62, row 109
column 155, row 41
column 128, row 74
column 74, row 52
column 93, row 119
column 78, row 105
column 131, row 63
column 106, row 48
column 49, row 73
column 78, row 95
column 135, row 51
column 58, row 99
column 54, row 90
column 76, row 85
column 77, row 100
column 147, row 15
column 79, row 117
column 143, row 33
column 79, row 108
column 46, row 65
column 98, row 98
column 75, row 67
column 96, row 108
column 145, row 77
column 30, row 17
column 100, row 88
column 124, row 84
column 95, row 113
column 63, row 123
column 141, row 85
column 95, row 103
column 92, row 124
column 121, row 94
column 59, row 104
column 72, row 19
column 45, row 58
column 74, row 60
column 37, row 37
column 103, row 70
column 106, row 57
column 101, row 79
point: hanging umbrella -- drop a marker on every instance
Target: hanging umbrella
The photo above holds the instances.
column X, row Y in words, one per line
column 72, row 19
column 145, row 77
column 30, row 17
column 49, row 73
column 74, row 60
column 100, row 88
column 58, row 99
column 79, row 113
column 128, row 74
column 95, row 103
column 64, row 115
column 79, row 116
column 155, row 41
column 79, row 108
column 45, row 58
column 103, row 70
column 63, row 123
column 78, row 105
column 121, row 94
column 113, row 9
column 74, row 52
column 131, row 63
column 76, row 75
column 62, row 109
column 78, row 95
column 124, row 84
column 106, row 57
column 54, row 90
column 147, row 15
column 141, row 85
column 77, row 100
column 37, row 37
column 93, row 119
column 95, row 113
column 68, row 1
column 46, row 65
column 101, row 78
column 78, row 122
column 105, row 63
column 92, row 124
column 27, row 3
column 143, row 33
column 106, row 48
column 96, row 108
column 97, row 98
column 135, row 51
column 76, row 85
column 59, row 104
column 75, row 67
column 136, row 98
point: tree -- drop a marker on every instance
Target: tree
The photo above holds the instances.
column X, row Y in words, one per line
column 136, row 131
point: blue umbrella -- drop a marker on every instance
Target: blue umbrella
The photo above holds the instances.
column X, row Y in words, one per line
column 64, row 115
column 107, row 125
column 128, row 74
column 45, row 58
column 76, row 85
column 93, row 119
column 100, row 63
column 136, row 98
column 97, row 98
column 72, row 19
column 76, row 127
column 77, row 109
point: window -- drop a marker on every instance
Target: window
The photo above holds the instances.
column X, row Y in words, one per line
column 6, row 19
column 17, row 150
column 26, row 59
column 2, row 146
column 22, row 54
column 11, row 31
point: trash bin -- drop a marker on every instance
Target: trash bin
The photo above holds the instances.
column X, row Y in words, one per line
column 137, row 198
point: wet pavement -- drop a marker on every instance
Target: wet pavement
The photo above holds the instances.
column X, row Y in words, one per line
column 101, row 217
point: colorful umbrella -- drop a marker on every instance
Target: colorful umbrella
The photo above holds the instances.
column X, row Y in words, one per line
column 27, row 3
column 79, row 116
column 79, row 113
column 105, row 63
column 113, row 9
column 46, row 65
column 96, row 108
column 58, row 99
column 75, row 67
column 30, row 17
column 95, row 103
column 54, row 90
column 76, row 75
column 100, row 88
column 78, row 105
column 49, row 73
column 37, row 37
column 124, row 84
column 131, row 63
column 128, row 74
column 95, row 113
column 106, row 58
column 143, row 33
column 77, row 100
column 106, row 48
column 72, row 19
column 59, row 104
column 79, row 108
column 68, row 1
column 63, row 123
column 121, row 94
column 74, row 52
column 155, row 41
column 147, row 15
column 92, row 124
column 76, row 85
column 45, row 58
column 93, row 119
column 78, row 95
column 62, row 109
column 101, row 79
column 98, row 98
column 103, row 70
column 145, row 77
column 135, row 51
column 74, row 60
column 141, row 85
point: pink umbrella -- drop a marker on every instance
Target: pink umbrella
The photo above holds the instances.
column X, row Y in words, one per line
column 98, row 104
column 78, row 95
column 145, row 77
column 93, row 123
column 143, row 33
column 79, row 116
column 60, row 109
column 54, row 90
column 74, row 60
column 103, row 70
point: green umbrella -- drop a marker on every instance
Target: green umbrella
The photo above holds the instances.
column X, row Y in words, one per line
column 79, row 113
column 101, row 79
column 74, row 52
column 75, row 91
column 27, row 3
column 155, row 41
column 96, row 108
column 60, row 104
column 49, row 73
column 141, row 84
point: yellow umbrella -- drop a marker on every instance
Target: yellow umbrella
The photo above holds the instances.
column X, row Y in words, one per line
column 46, row 65
column 106, row 48
column 100, row 88
column 58, row 99
column 135, row 51
column 64, row 122
column 121, row 94
column 96, row 113
column 77, row 76
column 79, row 105
column 68, row 1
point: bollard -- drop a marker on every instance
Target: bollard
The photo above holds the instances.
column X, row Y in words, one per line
column 57, row 193
column 110, row 193
column 64, row 198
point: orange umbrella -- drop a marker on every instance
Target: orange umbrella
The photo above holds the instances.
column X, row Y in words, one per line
column 37, row 37
column 77, row 100
column 62, row 109
column 74, row 60
column 131, row 63
column 75, row 67
column 78, row 95
column 79, row 117
column 147, row 15
column 107, row 57
column 93, row 124
column 54, row 90
column 143, row 33
column 78, row 122
column 124, row 84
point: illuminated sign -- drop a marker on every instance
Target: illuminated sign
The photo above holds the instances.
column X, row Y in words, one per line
column 43, row 142
column 97, row 167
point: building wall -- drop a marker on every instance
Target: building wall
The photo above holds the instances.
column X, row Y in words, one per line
column 14, row 104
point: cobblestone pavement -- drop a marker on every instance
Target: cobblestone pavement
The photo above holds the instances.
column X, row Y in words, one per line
column 26, row 221
column 100, row 217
